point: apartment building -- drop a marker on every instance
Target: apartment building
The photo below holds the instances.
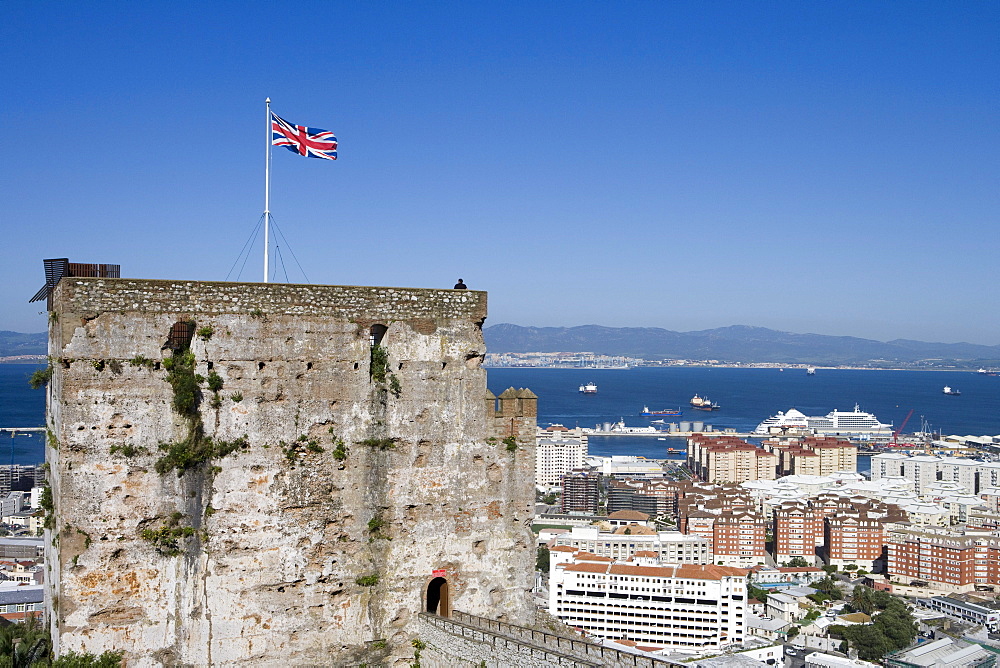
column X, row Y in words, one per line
column 973, row 476
column 854, row 538
column 737, row 536
column 657, row 497
column 798, row 531
column 955, row 559
column 739, row 539
column 558, row 451
column 684, row 607
column 812, row 455
column 845, row 530
column 727, row 459
column 581, row 491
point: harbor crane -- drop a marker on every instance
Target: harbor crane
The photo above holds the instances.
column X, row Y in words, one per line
column 899, row 430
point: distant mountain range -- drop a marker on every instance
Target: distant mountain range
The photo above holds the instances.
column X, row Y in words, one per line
column 15, row 343
column 731, row 344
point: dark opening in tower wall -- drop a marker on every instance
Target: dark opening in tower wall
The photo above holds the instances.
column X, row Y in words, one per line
column 437, row 597
column 180, row 335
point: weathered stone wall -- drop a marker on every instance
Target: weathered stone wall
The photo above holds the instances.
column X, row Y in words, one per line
column 279, row 532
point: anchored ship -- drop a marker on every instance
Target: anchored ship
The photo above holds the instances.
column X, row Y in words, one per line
column 589, row 388
column 703, row 404
column 833, row 423
column 666, row 411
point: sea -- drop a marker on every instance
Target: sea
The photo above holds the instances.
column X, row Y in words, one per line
column 746, row 397
column 21, row 406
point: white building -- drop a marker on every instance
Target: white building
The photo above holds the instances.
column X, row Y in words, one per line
column 784, row 607
column 13, row 502
column 925, row 470
column 626, row 466
column 672, row 546
column 683, row 607
column 557, row 452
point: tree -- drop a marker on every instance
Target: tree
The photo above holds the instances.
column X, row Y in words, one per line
column 757, row 593
column 862, row 599
column 829, row 587
column 34, row 646
column 890, row 630
column 549, row 499
column 792, row 632
column 542, row 560
column 830, row 569
column 797, row 562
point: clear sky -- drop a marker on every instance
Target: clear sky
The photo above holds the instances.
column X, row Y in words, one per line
column 825, row 167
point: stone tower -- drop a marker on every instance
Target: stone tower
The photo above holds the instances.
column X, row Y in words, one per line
column 278, row 474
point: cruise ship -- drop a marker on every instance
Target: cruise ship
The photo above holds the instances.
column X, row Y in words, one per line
column 844, row 423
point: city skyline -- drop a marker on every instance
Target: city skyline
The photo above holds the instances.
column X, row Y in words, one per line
column 805, row 168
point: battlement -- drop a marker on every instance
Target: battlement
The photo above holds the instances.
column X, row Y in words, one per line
column 97, row 295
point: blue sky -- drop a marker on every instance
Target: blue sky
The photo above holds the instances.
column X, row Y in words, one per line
column 805, row 166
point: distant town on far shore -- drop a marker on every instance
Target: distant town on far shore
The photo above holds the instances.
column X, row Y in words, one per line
column 594, row 346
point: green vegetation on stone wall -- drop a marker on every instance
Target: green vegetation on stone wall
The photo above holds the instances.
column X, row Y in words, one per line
column 40, row 378
column 196, row 448
column 170, row 537
column 380, row 372
column 140, row 360
column 184, row 455
column 48, row 505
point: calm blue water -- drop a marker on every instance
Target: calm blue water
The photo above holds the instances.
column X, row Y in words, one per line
column 747, row 396
column 20, row 406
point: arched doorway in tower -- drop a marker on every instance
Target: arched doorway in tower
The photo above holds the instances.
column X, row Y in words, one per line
column 438, row 602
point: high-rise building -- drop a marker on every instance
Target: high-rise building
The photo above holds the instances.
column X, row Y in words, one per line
column 558, row 451
column 581, row 492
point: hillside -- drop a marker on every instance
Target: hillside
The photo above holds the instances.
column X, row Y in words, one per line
column 737, row 343
column 16, row 343
column 733, row 344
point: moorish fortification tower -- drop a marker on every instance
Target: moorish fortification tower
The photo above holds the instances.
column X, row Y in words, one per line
column 272, row 474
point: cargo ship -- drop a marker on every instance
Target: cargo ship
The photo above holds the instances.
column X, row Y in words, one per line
column 703, row 404
column 588, row 388
column 666, row 411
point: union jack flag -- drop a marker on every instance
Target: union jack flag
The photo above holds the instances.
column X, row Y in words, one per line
column 310, row 142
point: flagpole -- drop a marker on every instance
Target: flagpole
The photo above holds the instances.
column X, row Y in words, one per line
column 267, row 184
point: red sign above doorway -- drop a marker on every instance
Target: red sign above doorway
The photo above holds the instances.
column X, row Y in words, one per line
column 439, row 573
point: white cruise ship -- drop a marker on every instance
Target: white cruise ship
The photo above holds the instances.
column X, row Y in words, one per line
column 835, row 422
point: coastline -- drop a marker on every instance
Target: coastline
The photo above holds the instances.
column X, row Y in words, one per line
column 748, row 366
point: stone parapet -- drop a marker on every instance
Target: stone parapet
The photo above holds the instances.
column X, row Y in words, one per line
column 97, row 295
column 470, row 638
